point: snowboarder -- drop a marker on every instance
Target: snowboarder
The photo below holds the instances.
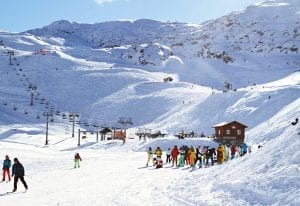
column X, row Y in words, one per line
column 150, row 156
column 18, row 172
column 6, row 167
column 174, row 153
column 168, row 154
column 77, row 160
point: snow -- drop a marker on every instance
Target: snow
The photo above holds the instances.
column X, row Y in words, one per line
column 116, row 69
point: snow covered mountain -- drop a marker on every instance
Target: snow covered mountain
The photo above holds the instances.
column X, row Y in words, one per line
column 269, row 28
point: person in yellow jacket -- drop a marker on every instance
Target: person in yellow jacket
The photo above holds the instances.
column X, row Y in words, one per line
column 192, row 156
column 150, row 156
column 158, row 152
column 220, row 154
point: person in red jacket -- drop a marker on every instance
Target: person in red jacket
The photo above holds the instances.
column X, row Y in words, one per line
column 233, row 151
column 174, row 154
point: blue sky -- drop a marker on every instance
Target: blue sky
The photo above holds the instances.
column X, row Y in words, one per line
column 21, row 15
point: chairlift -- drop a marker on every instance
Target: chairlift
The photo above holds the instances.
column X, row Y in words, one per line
column 57, row 112
column 64, row 116
column 51, row 120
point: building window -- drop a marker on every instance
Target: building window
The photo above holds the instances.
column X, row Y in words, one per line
column 239, row 132
column 227, row 131
column 219, row 132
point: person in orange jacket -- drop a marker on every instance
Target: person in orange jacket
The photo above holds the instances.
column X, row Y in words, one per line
column 192, row 156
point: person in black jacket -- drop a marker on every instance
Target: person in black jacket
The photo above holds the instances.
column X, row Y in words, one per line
column 18, row 173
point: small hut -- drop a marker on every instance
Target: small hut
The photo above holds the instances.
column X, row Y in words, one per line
column 230, row 132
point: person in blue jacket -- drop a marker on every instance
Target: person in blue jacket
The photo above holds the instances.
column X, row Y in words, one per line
column 244, row 149
column 6, row 167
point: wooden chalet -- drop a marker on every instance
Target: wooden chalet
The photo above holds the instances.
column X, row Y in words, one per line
column 230, row 132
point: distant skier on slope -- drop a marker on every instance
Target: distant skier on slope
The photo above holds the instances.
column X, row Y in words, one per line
column 18, row 172
column 77, row 160
column 6, row 167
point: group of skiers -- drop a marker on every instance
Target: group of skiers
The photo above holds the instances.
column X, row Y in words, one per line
column 18, row 172
column 203, row 155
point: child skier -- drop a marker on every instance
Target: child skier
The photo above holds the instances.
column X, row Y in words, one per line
column 77, row 160
column 6, row 167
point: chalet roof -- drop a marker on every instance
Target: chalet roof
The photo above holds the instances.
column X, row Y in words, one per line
column 226, row 123
column 105, row 130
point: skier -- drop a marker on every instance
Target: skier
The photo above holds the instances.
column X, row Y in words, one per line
column 181, row 157
column 233, row 151
column 6, row 167
column 192, row 156
column 77, row 160
column 244, row 148
column 157, row 162
column 158, row 152
column 18, row 172
column 150, row 156
column 199, row 156
column 220, row 154
column 168, row 154
column 210, row 155
column 174, row 154
column 203, row 152
column 187, row 155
